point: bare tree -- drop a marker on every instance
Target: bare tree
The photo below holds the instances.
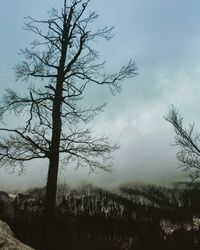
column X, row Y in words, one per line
column 62, row 63
column 189, row 142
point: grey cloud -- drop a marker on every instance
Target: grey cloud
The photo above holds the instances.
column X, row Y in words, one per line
column 163, row 38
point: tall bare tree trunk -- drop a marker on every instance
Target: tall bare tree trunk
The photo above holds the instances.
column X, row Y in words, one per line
column 67, row 75
column 51, row 187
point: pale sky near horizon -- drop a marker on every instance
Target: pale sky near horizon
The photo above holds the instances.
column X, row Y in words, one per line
column 163, row 38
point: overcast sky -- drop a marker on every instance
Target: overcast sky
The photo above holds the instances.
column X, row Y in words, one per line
column 163, row 38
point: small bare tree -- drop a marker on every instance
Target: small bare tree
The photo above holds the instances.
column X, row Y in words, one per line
column 189, row 142
column 62, row 63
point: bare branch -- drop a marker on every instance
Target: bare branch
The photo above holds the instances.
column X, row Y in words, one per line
column 189, row 143
column 54, row 115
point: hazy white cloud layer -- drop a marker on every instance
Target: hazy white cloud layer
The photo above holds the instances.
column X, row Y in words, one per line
column 163, row 38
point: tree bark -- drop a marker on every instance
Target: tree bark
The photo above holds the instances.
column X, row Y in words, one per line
column 51, row 186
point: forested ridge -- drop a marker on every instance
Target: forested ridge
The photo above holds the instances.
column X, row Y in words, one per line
column 136, row 216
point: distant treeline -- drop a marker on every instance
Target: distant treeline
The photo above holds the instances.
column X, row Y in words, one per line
column 131, row 217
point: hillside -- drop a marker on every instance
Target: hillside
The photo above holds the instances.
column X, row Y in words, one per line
column 129, row 217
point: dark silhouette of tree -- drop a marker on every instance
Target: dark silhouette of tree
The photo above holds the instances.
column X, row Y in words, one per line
column 60, row 65
column 189, row 142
